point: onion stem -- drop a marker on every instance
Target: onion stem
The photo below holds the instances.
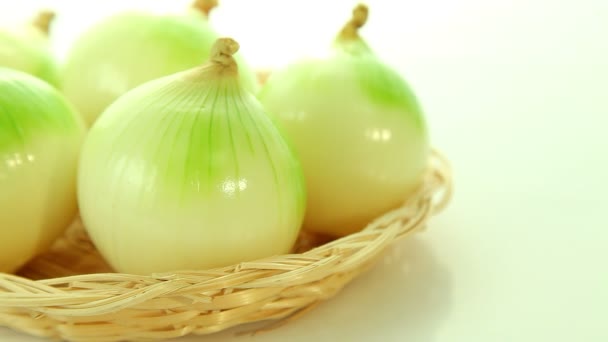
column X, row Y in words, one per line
column 43, row 20
column 222, row 51
column 350, row 31
column 205, row 6
column 221, row 62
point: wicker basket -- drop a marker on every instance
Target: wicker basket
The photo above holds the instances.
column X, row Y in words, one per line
column 78, row 298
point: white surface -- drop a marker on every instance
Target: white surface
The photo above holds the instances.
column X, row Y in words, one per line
column 516, row 92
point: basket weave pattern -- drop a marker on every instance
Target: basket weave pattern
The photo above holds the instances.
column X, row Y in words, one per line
column 70, row 293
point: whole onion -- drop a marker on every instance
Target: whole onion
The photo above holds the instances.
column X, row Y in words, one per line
column 188, row 172
column 357, row 128
column 131, row 48
column 40, row 137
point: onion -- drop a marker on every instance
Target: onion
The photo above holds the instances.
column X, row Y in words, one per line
column 357, row 128
column 40, row 137
column 188, row 172
column 131, row 48
column 28, row 49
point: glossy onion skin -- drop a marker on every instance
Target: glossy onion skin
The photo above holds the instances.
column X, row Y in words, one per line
column 178, row 175
column 129, row 49
column 358, row 131
column 28, row 50
column 40, row 137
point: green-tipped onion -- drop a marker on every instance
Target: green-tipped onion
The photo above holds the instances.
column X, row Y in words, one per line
column 357, row 128
column 189, row 172
column 27, row 49
column 128, row 49
column 40, row 137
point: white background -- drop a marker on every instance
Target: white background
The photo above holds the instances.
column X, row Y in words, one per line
column 516, row 93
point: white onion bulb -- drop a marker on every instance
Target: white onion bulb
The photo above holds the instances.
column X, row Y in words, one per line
column 188, row 172
column 40, row 137
column 357, row 128
column 28, row 49
column 131, row 48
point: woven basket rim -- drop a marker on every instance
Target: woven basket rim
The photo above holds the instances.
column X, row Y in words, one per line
column 207, row 301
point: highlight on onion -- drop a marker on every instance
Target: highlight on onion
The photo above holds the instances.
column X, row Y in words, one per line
column 40, row 138
column 27, row 49
column 357, row 127
column 189, row 172
column 131, row 48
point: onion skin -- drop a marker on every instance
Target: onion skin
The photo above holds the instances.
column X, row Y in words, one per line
column 28, row 50
column 129, row 49
column 188, row 172
column 40, row 137
column 358, row 130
